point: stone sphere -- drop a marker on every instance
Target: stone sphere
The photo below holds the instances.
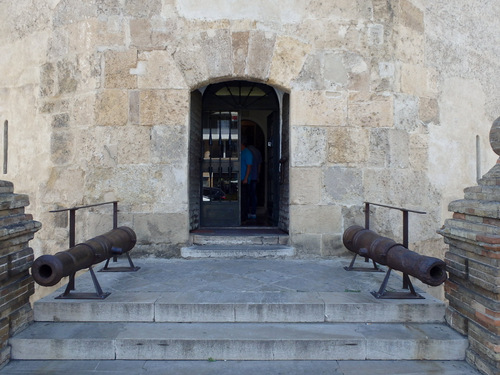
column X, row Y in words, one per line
column 495, row 136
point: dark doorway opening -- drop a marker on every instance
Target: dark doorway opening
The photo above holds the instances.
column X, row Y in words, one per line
column 231, row 112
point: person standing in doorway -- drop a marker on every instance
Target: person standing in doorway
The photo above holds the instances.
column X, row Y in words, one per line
column 246, row 160
column 254, row 179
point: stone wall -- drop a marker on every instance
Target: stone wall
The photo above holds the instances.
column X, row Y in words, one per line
column 16, row 257
column 386, row 101
column 473, row 262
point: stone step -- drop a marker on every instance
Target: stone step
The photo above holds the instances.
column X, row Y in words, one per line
column 238, row 341
column 335, row 307
column 237, row 250
column 215, row 367
column 240, row 236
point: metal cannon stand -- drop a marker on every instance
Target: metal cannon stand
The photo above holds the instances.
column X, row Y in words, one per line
column 382, row 293
column 99, row 294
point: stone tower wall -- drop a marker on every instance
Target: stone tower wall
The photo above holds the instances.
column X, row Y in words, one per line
column 386, row 101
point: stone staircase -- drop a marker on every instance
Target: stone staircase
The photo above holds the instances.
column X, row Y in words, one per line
column 141, row 321
column 238, row 243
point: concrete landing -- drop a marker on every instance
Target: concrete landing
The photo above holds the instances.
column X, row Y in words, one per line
column 240, row 290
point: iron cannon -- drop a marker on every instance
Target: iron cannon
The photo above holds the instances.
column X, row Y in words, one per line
column 48, row 270
column 387, row 252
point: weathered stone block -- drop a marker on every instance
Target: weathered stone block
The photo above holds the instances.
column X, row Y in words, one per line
column 326, row 35
column 307, row 244
column 134, row 145
column 334, row 69
column 456, row 320
column 410, row 16
column 61, row 147
column 375, row 113
column 158, row 70
column 194, row 70
column 47, row 79
column 457, row 265
column 319, row 108
column 288, row 58
column 141, row 33
column 312, row 75
column 13, row 201
column 239, row 46
column 154, row 228
column 418, row 151
column 110, row 31
column 260, row 54
column 112, row 108
column 343, row 185
column 216, row 45
column 67, row 71
column 168, row 144
column 305, row 186
column 428, row 110
column 375, row 35
column 481, row 363
column 406, row 113
column 58, row 181
column 332, row 246
column 142, row 10
column 313, row 219
column 4, row 332
column 164, row 107
column 6, row 187
column 484, row 342
column 477, row 208
column 348, row 145
column 21, row 318
column 117, row 69
column 309, row 145
column 343, row 9
column 415, row 80
column 60, row 121
column 410, row 45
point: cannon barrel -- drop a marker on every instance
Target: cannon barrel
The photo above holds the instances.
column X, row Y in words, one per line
column 48, row 270
column 387, row 252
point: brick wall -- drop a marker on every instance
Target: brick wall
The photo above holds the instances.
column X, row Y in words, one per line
column 16, row 285
column 473, row 262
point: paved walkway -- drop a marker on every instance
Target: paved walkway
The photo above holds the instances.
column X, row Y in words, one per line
column 226, row 276
column 238, row 276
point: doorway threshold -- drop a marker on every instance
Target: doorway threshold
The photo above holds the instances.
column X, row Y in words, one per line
column 239, row 231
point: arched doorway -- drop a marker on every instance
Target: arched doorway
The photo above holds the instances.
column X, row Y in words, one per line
column 228, row 114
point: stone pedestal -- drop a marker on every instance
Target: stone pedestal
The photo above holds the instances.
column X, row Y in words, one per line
column 16, row 284
column 473, row 261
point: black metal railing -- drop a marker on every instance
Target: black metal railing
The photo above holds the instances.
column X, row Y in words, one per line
column 72, row 217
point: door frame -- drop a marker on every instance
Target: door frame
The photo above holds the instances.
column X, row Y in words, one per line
column 237, row 96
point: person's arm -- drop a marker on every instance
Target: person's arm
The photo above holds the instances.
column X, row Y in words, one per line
column 249, row 168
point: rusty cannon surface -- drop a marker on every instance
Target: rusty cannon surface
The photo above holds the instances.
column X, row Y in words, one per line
column 387, row 252
column 48, row 270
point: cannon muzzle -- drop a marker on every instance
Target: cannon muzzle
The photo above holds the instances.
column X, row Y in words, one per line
column 48, row 270
column 387, row 252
